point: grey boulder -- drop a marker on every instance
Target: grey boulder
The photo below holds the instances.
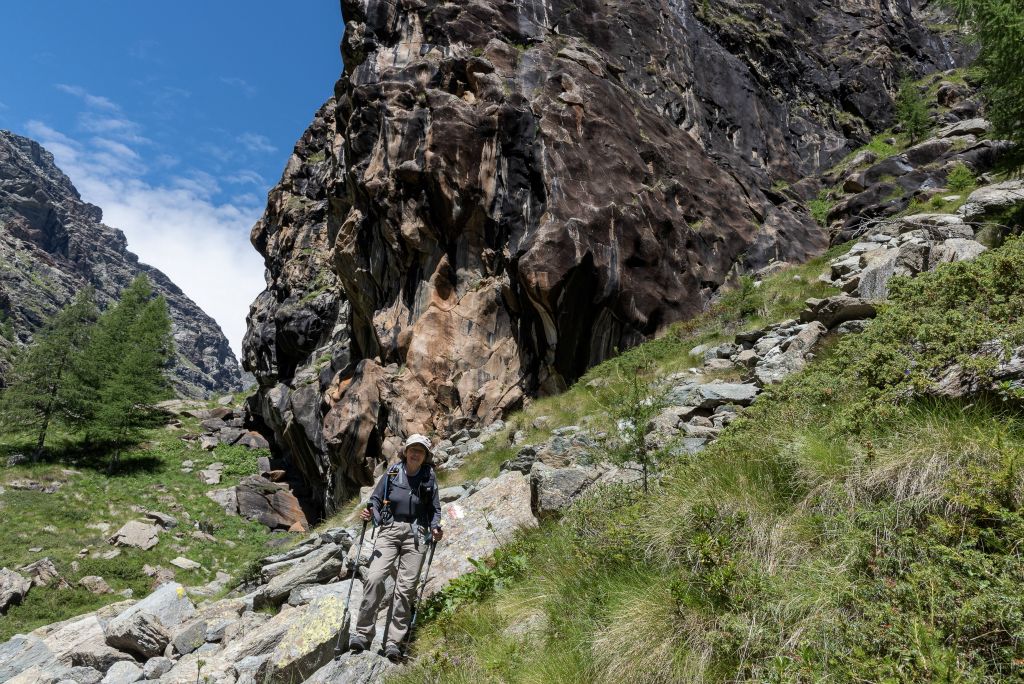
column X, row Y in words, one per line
column 137, row 633
column 315, row 568
column 124, row 672
column 361, row 668
column 13, row 589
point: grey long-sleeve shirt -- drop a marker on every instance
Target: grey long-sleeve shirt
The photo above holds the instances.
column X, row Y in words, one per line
column 411, row 497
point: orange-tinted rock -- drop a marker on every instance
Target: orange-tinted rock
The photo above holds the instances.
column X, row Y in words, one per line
column 269, row 503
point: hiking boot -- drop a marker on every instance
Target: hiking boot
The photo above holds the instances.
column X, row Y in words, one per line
column 356, row 646
column 393, row 653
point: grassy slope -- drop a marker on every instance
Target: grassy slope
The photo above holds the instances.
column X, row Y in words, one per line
column 841, row 531
column 150, row 477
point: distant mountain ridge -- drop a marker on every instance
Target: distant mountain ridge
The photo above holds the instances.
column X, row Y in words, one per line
column 52, row 243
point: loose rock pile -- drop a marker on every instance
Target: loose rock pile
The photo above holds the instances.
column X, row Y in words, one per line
column 451, row 453
column 224, row 425
column 168, row 638
column 903, row 246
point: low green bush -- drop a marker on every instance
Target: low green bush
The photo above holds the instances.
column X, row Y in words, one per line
column 846, row 528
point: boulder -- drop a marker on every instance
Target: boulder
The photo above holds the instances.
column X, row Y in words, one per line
column 185, row 563
column 13, row 588
column 308, row 593
column 269, row 503
column 449, row 494
column 967, row 127
column 189, row 636
column 137, row 633
column 308, row 643
column 833, row 311
column 851, row 327
column 299, row 551
column 523, row 460
column 318, row 567
column 552, row 490
column 96, row 585
column 43, row 573
column 169, row 604
column 83, row 642
column 879, row 267
column 749, row 337
column 164, row 520
column 714, row 394
column 956, row 249
column 138, row 534
column 210, row 476
column 22, row 653
column 477, row 525
column 993, row 200
column 156, row 668
column 78, row 675
column 668, row 421
column 227, row 499
column 208, row 442
column 253, row 440
column 124, row 672
column 213, row 424
column 230, row 435
column 353, row 668
column 790, row 357
column 747, row 358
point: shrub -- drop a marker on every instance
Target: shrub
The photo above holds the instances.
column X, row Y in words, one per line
column 960, row 179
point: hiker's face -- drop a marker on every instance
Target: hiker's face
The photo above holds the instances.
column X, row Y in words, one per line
column 415, row 455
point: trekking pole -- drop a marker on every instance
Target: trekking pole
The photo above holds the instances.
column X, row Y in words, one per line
column 419, row 597
column 346, row 616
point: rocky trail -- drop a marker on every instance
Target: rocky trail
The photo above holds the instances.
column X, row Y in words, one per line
column 280, row 624
column 422, row 277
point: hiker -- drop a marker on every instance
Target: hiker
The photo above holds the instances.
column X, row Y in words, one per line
column 406, row 509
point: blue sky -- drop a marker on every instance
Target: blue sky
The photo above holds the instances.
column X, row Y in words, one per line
column 175, row 118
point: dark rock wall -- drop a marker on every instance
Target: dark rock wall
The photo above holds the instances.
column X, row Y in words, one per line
column 52, row 244
column 502, row 192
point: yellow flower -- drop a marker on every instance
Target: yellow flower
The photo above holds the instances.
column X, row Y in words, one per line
column 181, row 592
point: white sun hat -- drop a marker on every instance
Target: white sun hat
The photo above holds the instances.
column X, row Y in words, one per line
column 417, row 438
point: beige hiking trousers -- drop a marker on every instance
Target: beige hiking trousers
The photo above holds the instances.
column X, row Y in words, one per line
column 398, row 547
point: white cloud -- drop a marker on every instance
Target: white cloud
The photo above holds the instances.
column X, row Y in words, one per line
column 178, row 226
column 248, row 89
column 254, row 142
column 96, row 101
column 246, row 177
column 118, row 127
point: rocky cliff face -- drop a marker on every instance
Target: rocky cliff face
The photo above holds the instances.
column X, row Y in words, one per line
column 52, row 244
column 502, row 193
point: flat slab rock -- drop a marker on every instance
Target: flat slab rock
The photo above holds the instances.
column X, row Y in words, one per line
column 477, row 524
column 138, row 534
column 714, row 394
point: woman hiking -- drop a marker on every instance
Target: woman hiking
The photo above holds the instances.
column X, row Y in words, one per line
column 407, row 511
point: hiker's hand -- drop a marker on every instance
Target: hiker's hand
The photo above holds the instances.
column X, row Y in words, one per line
column 365, row 514
column 436, row 534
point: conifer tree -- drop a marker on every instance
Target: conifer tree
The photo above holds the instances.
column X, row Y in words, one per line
column 125, row 370
column 912, row 112
column 40, row 388
column 632, row 407
column 109, row 343
column 999, row 28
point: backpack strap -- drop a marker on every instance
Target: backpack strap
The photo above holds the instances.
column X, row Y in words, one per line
column 393, row 471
